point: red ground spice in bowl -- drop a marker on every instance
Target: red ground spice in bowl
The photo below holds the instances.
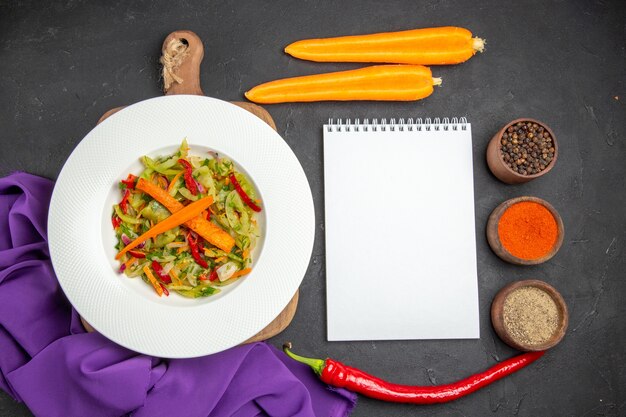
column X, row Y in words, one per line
column 525, row 231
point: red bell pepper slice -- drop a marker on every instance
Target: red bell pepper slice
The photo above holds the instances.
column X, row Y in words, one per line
column 165, row 290
column 130, row 181
column 246, row 199
column 159, row 271
column 213, row 275
column 195, row 251
column 116, row 222
column 136, row 254
column 190, row 182
column 124, row 202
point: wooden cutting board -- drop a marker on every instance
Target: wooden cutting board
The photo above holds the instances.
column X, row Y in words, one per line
column 189, row 73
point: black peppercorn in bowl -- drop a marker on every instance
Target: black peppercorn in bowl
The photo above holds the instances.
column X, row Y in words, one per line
column 522, row 150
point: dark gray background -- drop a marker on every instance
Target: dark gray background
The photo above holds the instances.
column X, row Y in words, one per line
column 65, row 63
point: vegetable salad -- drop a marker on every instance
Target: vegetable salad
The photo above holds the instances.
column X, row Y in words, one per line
column 198, row 256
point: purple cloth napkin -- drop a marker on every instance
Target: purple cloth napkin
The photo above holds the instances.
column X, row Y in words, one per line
column 50, row 363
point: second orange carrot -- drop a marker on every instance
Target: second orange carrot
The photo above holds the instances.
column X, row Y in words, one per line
column 378, row 83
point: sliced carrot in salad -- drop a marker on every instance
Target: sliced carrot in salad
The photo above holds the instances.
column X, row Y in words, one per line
column 174, row 181
column 241, row 273
column 212, row 233
column 129, row 262
column 153, row 281
column 175, row 278
column 176, row 219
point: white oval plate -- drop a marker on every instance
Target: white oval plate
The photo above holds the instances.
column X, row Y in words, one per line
column 82, row 240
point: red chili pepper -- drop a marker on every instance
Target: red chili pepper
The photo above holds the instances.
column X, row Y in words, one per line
column 165, row 290
column 246, row 199
column 159, row 271
column 195, row 252
column 130, row 181
column 124, row 201
column 342, row 376
column 208, row 215
column 190, row 182
column 116, row 222
column 136, row 254
column 213, row 275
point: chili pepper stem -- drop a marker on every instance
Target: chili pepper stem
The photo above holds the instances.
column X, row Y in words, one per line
column 316, row 364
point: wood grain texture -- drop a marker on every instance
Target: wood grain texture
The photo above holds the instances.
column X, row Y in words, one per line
column 189, row 71
column 109, row 113
column 280, row 323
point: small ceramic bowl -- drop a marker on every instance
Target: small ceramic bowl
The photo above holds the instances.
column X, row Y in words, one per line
column 501, row 170
column 497, row 315
column 494, row 238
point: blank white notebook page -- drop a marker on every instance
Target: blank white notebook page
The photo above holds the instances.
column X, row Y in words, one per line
column 400, row 235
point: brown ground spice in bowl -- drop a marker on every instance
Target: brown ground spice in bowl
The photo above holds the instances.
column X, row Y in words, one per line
column 531, row 316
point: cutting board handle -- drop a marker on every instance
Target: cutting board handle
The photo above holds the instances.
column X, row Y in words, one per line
column 189, row 69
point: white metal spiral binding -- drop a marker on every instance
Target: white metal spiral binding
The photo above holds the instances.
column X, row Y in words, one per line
column 410, row 124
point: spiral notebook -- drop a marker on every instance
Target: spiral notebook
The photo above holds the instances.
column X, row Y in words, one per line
column 400, row 233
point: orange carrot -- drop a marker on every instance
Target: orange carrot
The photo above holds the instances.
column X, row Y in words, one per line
column 153, row 280
column 159, row 195
column 129, row 262
column 379, row 82
column 173, row 183
column 245, row 271
column 210, row 232
column 176, row 219
column 162, row 181
column 432, row 46
column 175, row 278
